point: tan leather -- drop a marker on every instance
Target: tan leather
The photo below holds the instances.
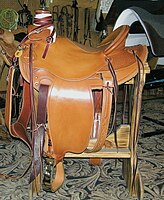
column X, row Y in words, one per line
column 59, row 178
column 17, row 129
column 73, row 72
column 83, row 64
column 95, row 161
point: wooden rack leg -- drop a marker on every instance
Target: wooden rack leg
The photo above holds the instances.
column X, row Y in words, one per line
column 130, row 168
column 36, row 186
column 133, row 181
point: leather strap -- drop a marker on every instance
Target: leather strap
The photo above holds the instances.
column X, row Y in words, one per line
column 115, row 92
column 42, row 113
column 43, row 21
column 49, row 41
column 39, row 133
column 37, row 124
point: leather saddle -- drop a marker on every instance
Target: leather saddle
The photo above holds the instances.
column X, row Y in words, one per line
column 79, row 83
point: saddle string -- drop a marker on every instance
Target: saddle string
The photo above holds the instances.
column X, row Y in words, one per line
column 115, row 94
column 38, row 123
column 49, row 41
column 124, row 103
column 140, row 80
column 35, row 167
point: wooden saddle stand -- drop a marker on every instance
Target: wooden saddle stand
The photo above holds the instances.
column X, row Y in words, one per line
column 75, row 86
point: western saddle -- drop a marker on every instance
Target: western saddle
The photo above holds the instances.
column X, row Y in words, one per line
column 75, row 86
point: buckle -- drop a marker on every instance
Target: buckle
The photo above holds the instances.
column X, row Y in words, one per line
column 49, row 40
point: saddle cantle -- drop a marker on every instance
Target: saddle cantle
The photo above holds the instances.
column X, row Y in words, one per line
column 80, row 83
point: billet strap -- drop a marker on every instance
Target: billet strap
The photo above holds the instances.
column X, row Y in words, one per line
column 125, row 91
column 115, row 92
column 39, row 133
column 35, row 160
column 137, row 110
